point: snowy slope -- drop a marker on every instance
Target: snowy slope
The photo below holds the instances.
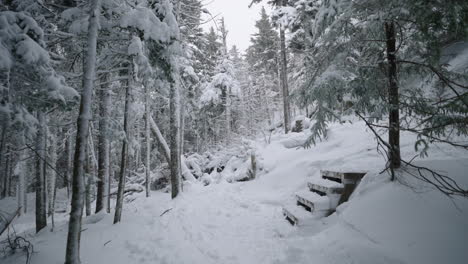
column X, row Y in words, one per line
column 384, row 222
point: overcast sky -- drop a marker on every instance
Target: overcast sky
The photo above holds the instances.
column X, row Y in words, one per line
column 238, row 17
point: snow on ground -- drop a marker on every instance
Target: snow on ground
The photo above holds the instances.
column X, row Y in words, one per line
column 384, row 222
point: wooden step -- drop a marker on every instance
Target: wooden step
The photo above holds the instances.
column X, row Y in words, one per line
column 325, row 187
column 296, row 215
column 342, row 177
column 312, row 201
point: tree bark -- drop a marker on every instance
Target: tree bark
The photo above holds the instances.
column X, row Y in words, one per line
column 174, row 138
column 51, row 176
column 393, row 98
column 284, row 78
column 21, row 185
column 72, row 255
column 88, row 175
column 4, row 118
column 148, row 142
column 108, row 180
column 103, row 148
column 68, row 164
column 41, row 217
column 6, row 173
column 124, row 154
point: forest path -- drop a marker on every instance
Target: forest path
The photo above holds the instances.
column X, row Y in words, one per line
column 219, row 224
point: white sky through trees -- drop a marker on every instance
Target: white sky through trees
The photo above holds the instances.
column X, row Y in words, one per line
column 239, row 19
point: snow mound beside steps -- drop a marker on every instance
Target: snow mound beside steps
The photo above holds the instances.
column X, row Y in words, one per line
column 322, row 197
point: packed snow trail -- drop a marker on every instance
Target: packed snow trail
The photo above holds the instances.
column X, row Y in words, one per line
column 223, row 227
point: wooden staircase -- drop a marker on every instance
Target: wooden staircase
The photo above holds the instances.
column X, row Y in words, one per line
column 322, row 196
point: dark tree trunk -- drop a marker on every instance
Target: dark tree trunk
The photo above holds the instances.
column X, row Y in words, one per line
column 148, row 142
column 68, row 165
column 88, row 175
column 174, row 140
column 284, row 78
column 393, row 98
column 7, row 174
column 124, row 154
column 41, row 214
column 109, row 177
column 103, row 148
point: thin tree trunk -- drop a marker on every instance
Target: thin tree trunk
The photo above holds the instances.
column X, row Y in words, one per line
column 228, row 115
column 103, row 148
column 393, row 98
column 41, row 216
column 137, row 159
column 68, row 164
column 88, row 175
column 124, row 157
column 10, row 181
column 174, row 138
column 4, row 118
column 6, row 174
column 20, row 170
column 51, row 176
column 21, row 189
column 72, row 255
column 108, row 200
column 148, row 142
column 284, row 78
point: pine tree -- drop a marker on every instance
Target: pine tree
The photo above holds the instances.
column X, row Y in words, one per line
column 74, row 227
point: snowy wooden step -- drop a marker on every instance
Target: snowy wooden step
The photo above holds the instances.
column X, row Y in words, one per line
column 325, row 187
column 296, row 215
column 342, row 177
column 312, row 201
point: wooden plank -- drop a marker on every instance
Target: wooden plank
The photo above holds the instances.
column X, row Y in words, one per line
column 313, row 201
column 342, row 177
column 325, row 189
column 332, row 175
column 297, row 215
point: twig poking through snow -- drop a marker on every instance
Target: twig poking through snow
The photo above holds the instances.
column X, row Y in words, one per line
column 166, row 211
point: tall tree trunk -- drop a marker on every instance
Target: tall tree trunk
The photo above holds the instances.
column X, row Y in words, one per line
column 41, row 217
column 137, row 159
column 4, row 118
column 10, row 174
column 103, row 148
column 68, row 163
column 174, row 138
column 88, row 175
column 228, row 115
column 21, row 168
column 6, row 173
column 284, row 78
column 72, row 255
column 148, row 142
column 51, row 176
column 110, row 171
column 181, row 132
column 393, row 98
column 124, row 157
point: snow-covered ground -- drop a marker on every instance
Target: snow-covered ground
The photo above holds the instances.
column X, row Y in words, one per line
column 384, row 222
